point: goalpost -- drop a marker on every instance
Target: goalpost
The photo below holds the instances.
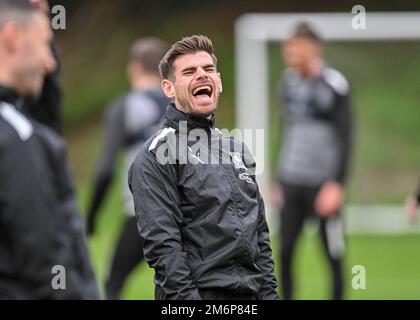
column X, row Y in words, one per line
column 253, row 32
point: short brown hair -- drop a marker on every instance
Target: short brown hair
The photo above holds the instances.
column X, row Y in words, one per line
column 305, row 30
column 20, row 11
column 148, row 52
column 187, row 45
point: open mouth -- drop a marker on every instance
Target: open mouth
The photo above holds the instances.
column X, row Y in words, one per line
column 203, row 91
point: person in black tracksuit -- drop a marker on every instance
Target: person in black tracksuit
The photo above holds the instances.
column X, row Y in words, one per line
column 314, row 158
column 40, row 226
column 198, row 205
column 129, row 121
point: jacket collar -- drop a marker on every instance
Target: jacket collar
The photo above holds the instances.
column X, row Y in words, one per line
column 174, row 116
column 8, row 95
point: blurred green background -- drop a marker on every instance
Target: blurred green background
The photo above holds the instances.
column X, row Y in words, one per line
column 386, row 92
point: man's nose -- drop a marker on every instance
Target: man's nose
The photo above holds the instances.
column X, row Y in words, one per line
column 201, row 73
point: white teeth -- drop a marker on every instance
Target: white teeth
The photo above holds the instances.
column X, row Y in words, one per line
column 201, row 88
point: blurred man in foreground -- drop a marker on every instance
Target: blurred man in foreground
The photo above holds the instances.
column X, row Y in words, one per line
column 313, row 162
column 129, row 122
column 42, row 250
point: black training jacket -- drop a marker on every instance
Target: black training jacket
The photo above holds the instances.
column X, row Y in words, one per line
column 40, row 226
column 203, row 223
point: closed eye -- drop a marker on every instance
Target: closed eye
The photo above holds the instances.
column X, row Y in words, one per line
column 191, row 71
column 188, row 71
column 209, row 68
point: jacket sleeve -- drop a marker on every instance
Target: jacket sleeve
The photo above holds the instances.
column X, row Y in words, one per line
column 344, row 118
column 75, row 257
column 157, row 206
column 25, row 221
column 265, row 261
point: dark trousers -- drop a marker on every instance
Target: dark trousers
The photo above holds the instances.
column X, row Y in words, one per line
column 128, row 254
column 223, row 294
column 299, row 205
column 212, row 294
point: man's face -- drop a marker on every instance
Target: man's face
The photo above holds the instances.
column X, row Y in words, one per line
column 298, row 52
column 196, row 85
column 33, row 56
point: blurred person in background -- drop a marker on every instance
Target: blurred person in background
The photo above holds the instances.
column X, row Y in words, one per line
column 40, row 226
column 412, row 203
column 129, row 121
column 314, row 159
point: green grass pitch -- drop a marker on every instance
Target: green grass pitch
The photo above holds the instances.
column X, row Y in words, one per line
column 392, row 262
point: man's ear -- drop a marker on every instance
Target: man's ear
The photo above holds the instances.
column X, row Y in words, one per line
column 168, row 88
column 220, row 83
